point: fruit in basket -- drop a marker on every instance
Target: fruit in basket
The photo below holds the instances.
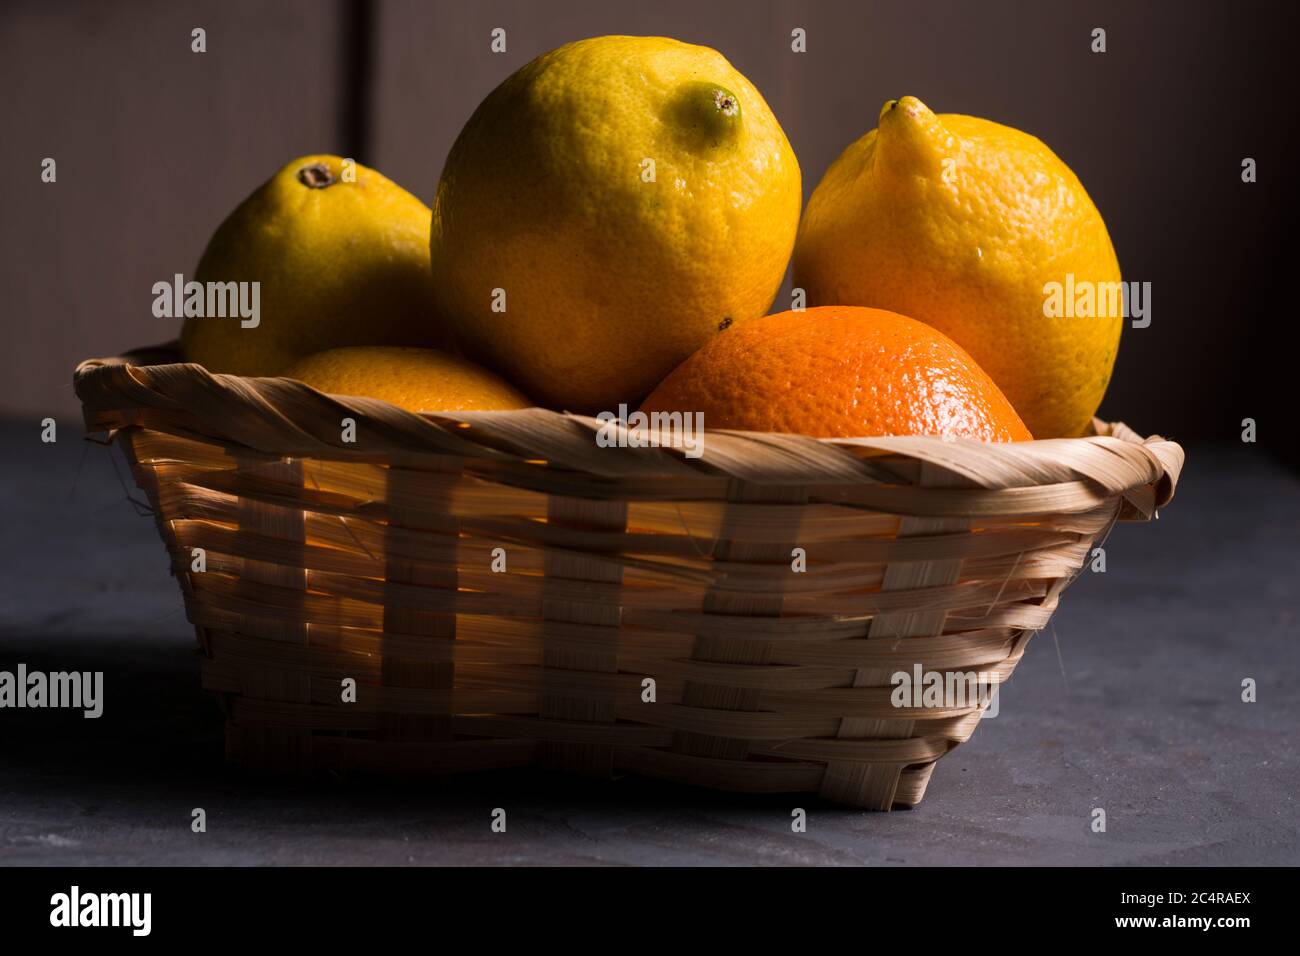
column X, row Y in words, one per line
column 839, row 372
column 419, row 380
column 340, row 261
column 606, row 210
column 962, row 223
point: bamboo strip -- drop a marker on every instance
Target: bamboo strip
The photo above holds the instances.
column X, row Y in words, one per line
column 275, row 747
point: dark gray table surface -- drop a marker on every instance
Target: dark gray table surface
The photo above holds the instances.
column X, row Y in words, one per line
column 1130, row 702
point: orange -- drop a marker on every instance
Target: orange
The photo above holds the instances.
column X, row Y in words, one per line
column 839, row 372
column 419, row 380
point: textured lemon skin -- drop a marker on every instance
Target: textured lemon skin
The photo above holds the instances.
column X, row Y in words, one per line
column 961, row 222
column 344, row 265
column 610, row 281
column 419, row 380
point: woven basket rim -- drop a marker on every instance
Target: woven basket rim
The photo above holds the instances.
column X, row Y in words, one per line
column 284, row 417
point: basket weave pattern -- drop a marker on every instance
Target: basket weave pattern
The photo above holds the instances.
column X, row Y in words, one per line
column 373, row 560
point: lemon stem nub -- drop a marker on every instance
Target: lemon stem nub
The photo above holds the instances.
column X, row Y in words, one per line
column 706, row 113
column 316, row 176
column 727, row 104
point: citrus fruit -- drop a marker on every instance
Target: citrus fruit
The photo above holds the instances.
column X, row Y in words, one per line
column 339, row 261
column 839, row 372
column 607, row 209
column 419, row 380
column 963, row 223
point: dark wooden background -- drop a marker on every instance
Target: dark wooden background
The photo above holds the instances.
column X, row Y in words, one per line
column 155, row 144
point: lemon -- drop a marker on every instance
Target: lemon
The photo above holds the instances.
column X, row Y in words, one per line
column 419, row 380
column 606, row 210
column 965, row 225
column 341, row 256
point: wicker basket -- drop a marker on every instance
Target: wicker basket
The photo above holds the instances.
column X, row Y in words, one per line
column 374, row 560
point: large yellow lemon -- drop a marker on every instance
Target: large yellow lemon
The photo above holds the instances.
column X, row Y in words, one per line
column 341, row 257
column 982, row 232
column 607, row 209
column 419, row 380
